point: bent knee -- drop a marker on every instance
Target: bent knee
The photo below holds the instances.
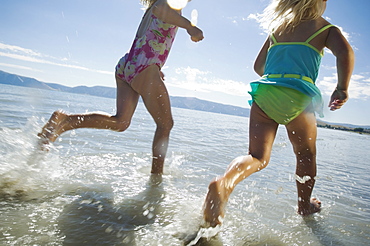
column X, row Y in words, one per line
column 305, row 153
column 257, row 164
column 263, row 161
column 263, row 158
column 122, row 126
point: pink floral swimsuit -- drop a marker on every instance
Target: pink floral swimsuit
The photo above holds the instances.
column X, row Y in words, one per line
column 151, row 48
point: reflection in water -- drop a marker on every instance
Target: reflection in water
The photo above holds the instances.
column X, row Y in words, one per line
column 93, row 218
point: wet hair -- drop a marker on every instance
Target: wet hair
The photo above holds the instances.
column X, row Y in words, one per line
column 287, row 14
column 148, row 3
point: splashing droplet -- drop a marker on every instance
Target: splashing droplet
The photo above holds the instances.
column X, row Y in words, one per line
column 194, row 17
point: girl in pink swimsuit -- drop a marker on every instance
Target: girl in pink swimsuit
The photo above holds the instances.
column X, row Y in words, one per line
column 137, row 74
column 151, row 46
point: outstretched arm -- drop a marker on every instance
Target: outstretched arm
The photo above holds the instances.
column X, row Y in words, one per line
column 164, row 12
column 342, row 50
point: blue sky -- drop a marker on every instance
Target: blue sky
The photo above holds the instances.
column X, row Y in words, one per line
column 79, row 43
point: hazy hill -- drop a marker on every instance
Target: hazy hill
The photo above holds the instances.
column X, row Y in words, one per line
column 178, row 102
column 101, row 91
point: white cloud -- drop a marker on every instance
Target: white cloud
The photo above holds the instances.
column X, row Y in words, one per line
column 253, row 17
column 18, row 67
column 204, row 81
column 359, row 87
column 17, row 49
column 23, row 54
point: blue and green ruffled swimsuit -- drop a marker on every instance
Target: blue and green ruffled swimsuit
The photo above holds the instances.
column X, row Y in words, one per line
column 288, row 87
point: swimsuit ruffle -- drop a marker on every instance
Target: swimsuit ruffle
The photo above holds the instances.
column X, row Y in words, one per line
column 303, row 86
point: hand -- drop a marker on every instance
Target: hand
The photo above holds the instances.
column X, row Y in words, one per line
column 195, row 33
column 338, row 98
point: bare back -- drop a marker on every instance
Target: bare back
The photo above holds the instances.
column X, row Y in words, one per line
column 303, row 31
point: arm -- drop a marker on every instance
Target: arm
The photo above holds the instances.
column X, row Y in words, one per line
column 259, row 64
column 165, row 13
column 344, row 54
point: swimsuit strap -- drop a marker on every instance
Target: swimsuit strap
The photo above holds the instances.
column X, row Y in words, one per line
column 310, row 38
column 273, row 38
column 318, row 32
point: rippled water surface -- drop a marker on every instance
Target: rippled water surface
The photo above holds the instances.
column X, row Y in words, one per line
column 94, row 188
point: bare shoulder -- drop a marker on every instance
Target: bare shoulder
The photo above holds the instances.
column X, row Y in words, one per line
column 322, row 22
column 335, row 34
column 160, row 7
column 160, row 4
column 337, row 42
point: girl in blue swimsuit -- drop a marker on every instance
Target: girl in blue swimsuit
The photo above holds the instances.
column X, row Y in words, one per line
column 288, row 64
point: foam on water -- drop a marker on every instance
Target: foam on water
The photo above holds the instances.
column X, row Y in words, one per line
column 104, row 198
column 24, row 171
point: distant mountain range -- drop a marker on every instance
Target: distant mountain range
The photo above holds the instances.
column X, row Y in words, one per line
column 177, row 102
column 109, row 92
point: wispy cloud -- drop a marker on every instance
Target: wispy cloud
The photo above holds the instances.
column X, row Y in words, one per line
column 204, row 81
column 255, row 17
column 359, row 87
column 23, row 54
column 259, row 18
column 18, row 67
column 236, row 19
column 17, row 49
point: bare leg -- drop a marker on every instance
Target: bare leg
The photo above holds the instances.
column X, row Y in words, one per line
column 61, row 122
column 220, row 189
column 302, row 133
column 150, row 86
column 262, row 131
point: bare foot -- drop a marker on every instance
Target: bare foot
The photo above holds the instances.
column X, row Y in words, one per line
column 315, row 207
column 53, row 128
column 214, row 205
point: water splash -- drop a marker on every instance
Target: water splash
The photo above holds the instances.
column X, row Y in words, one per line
column 206, row 233
column 194, row 17
column 302, row 180
column 25, row 173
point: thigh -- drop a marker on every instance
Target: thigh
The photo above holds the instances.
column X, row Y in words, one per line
column 262, row 132
column 126, row 100
column 302, row 132
column 153, row 91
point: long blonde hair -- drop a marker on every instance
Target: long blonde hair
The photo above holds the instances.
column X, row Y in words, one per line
column 287, row 14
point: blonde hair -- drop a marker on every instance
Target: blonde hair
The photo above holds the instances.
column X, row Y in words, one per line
column 148, row 3
column 287, row 14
